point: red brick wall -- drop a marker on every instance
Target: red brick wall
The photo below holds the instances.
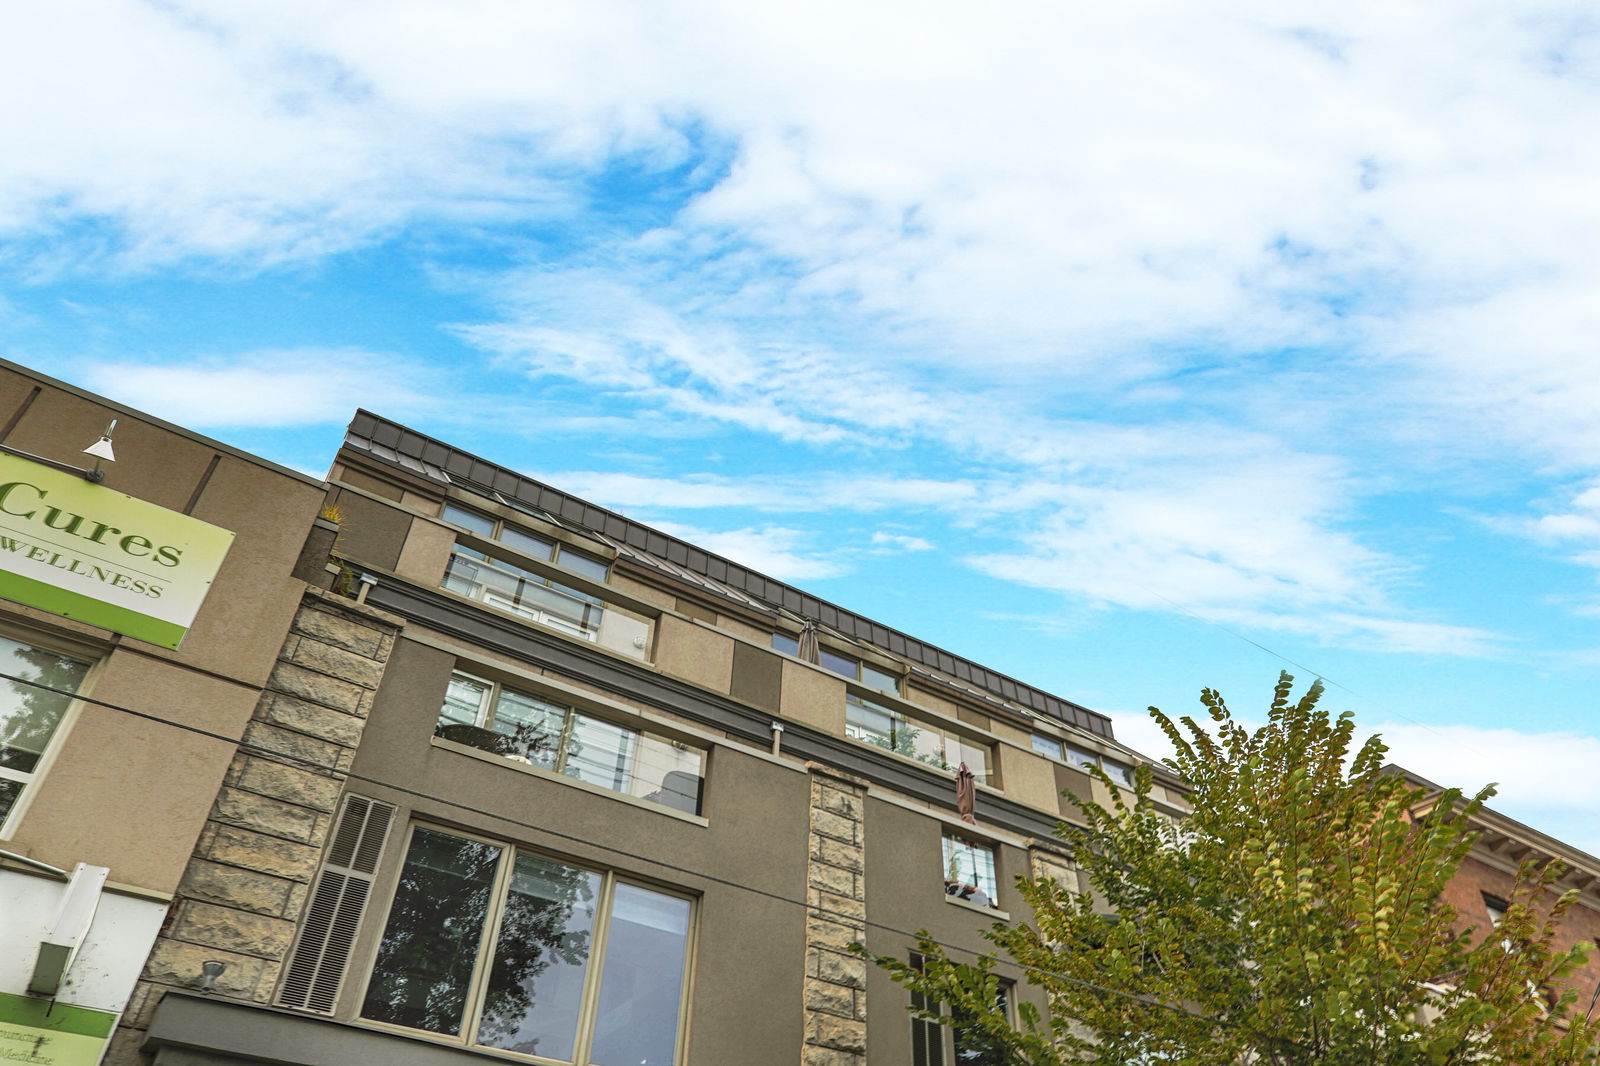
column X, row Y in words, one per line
column 1582, row 923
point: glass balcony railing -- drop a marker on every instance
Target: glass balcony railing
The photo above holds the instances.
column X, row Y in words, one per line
column 508, row 587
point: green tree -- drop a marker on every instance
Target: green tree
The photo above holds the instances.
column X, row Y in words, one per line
column 1294, row 919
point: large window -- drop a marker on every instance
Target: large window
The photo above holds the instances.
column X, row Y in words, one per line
column 29, row 716
column 488, row 716
column 843, row 665
column 513, row 950
column 885, row 727
column 969, row 871
column 966, row 1044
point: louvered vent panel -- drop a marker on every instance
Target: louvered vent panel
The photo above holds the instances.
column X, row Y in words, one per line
column 338, row 900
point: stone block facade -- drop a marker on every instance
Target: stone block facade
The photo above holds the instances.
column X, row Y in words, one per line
column 835, row 985
column 252, row 867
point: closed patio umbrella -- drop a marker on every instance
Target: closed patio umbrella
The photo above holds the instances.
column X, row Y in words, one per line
column 966, row 795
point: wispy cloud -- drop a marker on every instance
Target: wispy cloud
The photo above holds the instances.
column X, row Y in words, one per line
column 783, row 553
column 268, row 388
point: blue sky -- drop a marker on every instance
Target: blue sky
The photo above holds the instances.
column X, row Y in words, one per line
column 1127, row 350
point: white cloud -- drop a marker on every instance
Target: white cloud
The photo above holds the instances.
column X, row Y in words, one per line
column 777, row 551
column 299, row 387
column 900, row 542
column 1094, row 255
column 1545, row 780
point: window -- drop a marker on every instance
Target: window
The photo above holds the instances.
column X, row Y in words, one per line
column 546, row 548
column 509, row 949
column 29, row 716
column 969, row 1044
column 843, row 665
column 969, row 871
column 884, row 727
column 488, row 716
column 1120, row 772
column 482, row 577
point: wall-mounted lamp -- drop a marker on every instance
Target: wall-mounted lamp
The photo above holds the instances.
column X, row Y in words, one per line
column 100, row 449
column 209, row 972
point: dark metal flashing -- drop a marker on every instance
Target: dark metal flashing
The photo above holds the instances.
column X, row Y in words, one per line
column 474, row 626
column 396, row 445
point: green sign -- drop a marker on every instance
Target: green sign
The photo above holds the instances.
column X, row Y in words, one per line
column 74, row 548
column 52, row 1034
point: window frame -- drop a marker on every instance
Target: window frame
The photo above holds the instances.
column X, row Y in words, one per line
column 558, row 545
column 29, row 780
column 952, row 887
column 471, row 1017
column 791, row 646
column 488, row 703
column 1078, row 756
column 946, row 735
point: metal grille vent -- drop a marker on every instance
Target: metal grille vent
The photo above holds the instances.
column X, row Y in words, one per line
column 338, row 900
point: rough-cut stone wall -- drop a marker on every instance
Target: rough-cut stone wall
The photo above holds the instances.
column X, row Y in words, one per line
column 836, row 981
column 247, row 881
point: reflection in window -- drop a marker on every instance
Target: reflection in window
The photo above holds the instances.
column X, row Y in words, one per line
column 564, row 740
column 430, row 946
column 545, row 991
column 553, row 551
column 30, row 716
column 1073, row 755
column 843, row 665
column 884, row 727
column 482, row 577
column 969, row 871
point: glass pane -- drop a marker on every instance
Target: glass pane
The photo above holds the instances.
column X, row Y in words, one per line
column 969, row 871
column 1080, row 757
column 839, row 664
column 480, row 524
column 1121, row 773
column 600, row 753
column 537, row 547
column 435, row 927
column 976, row 756
column 536, row 983
column 668, row 773
column 1047, row 746
column 871, row 675
column 10, row 792
column 463, row 701
column 923, row 744
column 28, row 715
column 867, row 721
column 530, row 729
column 785, row 643
column 588, row 565
column 641, row 986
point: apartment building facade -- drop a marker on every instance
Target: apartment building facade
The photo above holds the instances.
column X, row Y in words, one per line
column 617, row 800
column 470, row 769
